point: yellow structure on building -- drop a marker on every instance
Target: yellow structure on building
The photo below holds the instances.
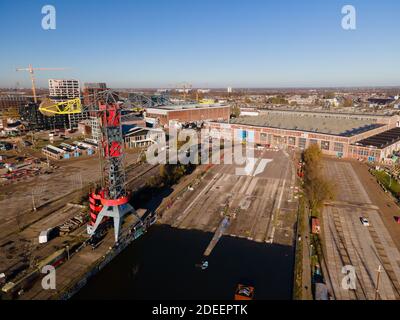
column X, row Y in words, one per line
column 48, row 108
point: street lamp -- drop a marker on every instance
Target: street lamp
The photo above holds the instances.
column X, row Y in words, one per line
column 377, row 281
column 33, row 201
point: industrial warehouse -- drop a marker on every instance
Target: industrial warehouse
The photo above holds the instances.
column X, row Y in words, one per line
column 66, row 151
column 195, row 112
column 357, row 136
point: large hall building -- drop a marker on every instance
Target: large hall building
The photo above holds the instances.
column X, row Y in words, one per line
column 369, row 137
column 170, row 115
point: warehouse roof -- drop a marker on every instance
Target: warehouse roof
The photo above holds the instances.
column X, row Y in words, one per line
column 182, row 107
column 192, row 106
column 381, row 140
column 53, row 150
column 310, row 123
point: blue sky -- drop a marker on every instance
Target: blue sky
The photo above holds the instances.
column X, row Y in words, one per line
column 220, row 43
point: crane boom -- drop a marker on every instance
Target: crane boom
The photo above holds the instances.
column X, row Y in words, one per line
column 134, row 102
column 31, row 70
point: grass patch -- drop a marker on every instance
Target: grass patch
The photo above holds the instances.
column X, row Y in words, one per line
column 298, row 267
column 389, row 183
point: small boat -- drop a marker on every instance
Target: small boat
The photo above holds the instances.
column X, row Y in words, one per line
column 203, row 265
column 244, row 292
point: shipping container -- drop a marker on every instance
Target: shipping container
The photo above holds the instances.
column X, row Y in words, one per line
column 47, row 235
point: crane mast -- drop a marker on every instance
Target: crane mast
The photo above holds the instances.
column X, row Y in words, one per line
column 113, row 197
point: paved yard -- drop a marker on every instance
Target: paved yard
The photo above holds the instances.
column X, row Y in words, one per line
column 265, row 203
column 348, row 242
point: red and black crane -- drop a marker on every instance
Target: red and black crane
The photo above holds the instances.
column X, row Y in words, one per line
column 111, row 200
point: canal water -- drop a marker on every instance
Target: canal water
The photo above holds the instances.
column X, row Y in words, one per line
column 161, row 265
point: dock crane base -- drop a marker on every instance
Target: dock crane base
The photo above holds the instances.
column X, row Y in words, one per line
column 117, row 213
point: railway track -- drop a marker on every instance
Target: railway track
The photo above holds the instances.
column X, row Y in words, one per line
column 358, row 294
column 26, row 219
column 384, row 259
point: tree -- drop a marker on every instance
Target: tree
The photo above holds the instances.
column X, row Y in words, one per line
column 316, row 188
column 317, row 191
column 329, row 95
column 348, row 103
column 312, row 155
column 171, row 173
column 235, row 111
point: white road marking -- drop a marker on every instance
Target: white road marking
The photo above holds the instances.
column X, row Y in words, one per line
column 198, row 196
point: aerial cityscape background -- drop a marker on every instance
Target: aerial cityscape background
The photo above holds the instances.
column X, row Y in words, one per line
column 200, row 150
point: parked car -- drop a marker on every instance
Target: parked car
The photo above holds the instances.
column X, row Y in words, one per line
column 364, row 221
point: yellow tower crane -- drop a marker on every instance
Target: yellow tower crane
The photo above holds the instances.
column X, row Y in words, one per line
column 31, row 70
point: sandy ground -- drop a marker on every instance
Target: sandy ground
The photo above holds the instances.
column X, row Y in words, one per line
column 19, row 198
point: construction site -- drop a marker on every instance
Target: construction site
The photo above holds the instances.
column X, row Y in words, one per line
column 53, row 226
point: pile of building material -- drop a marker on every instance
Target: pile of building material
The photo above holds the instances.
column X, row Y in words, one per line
column 16, row 175
column 72, row 224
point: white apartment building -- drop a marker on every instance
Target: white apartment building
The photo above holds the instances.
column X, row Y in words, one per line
column 66, row 89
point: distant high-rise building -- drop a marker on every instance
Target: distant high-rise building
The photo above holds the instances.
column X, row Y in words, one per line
column 64, row 89
column 67, row 89
column 229, row 89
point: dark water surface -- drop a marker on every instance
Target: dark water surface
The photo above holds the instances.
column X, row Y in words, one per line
column 161, row 265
